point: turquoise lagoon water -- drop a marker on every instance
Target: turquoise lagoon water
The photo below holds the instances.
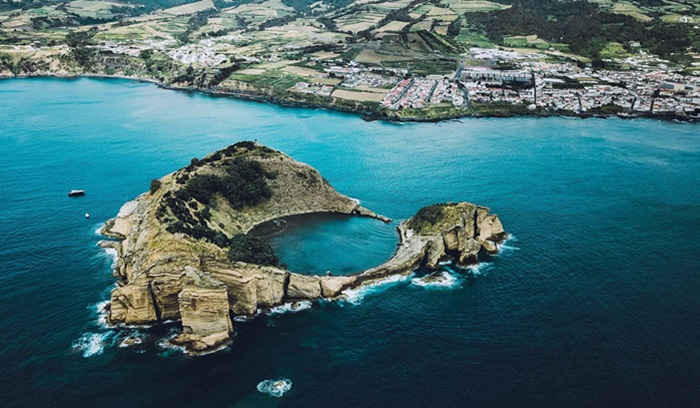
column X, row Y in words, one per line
column 594, row 301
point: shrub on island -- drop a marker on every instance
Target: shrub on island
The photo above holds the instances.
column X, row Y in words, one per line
column 155, row 185
column 243, row 184
column 250, row 249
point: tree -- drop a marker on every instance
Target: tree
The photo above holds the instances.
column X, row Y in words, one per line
column 250, row 249
column 155, row 185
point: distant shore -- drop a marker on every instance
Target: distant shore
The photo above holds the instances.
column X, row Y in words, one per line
column 366, row 113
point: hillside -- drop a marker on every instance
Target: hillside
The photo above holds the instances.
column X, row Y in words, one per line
column 396, row 60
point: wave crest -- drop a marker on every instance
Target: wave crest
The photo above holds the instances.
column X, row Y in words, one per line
column 276, row 388
column 91, row 344
column 291, row 307
column 355, row 296
column 443, row 280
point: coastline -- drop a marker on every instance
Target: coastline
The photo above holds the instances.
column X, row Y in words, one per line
column 365, row 114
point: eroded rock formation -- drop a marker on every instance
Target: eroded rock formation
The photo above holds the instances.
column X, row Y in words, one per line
column 172, row 259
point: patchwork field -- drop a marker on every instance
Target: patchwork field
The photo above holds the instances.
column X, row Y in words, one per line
column 190, row 8
column 469, row 6
column 372, row 57
column 92, row 8
column 360, row 96
column 526, row 41
column 630, row 10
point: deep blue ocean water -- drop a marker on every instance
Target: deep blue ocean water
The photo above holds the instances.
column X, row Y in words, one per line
column 595, row 301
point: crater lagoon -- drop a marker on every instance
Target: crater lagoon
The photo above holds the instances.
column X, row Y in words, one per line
column 593, row 302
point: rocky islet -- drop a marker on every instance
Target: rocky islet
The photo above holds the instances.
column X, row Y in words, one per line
column 166, row 273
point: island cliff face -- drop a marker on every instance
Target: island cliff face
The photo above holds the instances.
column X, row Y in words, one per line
column 172, row 243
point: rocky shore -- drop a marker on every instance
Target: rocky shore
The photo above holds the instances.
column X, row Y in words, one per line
column 167, row 273
column 367, row 112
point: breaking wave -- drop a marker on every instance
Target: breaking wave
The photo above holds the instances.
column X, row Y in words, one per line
column 132, row 339
column 449, row 281
column 275, row 388
column 112, row 253
column 508, row 245
column 291, row 307
column 165, row 344
column 478, row 269
column 355, row 296
column 101, row 313
column 91, row 344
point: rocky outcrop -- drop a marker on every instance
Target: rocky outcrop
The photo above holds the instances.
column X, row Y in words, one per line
column 132, row 304
column 444, row 231
column 436, row 252
column 172, row 264
column 204, row 312
column 304, row 287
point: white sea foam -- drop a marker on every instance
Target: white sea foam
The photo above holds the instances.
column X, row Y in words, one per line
column 98, row 231
column 291, row 307
column 480, row 268
column 165, row 344
column 101, row 313
column 133, row 338
column 91, row 344
column 508, row 245
column 355, row 296
column 112, row 253
column 276, row 388
column 127, row 208
column 449, row 281
column 242, row 319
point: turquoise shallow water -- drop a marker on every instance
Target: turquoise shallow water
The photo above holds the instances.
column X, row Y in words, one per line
column 594, row 302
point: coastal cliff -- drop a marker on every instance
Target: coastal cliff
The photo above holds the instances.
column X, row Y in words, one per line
column 184, row 252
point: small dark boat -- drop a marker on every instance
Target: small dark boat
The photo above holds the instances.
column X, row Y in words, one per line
column 76, row 193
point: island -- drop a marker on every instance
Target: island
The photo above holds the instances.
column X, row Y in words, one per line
column 184, row 251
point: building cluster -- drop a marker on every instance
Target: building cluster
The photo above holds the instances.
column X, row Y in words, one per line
column 314, row 88
column 495, row 76
column 356, row 79
column 134, row 48
column 644, row 84
column 504, row 55
column 419, row 92
column 201, row 53
column 481, row 93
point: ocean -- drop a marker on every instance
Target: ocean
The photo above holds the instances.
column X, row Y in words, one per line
column 593, row 301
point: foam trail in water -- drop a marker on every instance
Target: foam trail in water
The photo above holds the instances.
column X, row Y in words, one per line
column 112, row 253
column 479, row 269
column 91, row 344
column 355, row 296
column 291, row 307
column 165, row 344
column 276, row 388
column 508, row 245
column 101, row 313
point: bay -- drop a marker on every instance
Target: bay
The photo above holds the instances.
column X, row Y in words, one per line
column 593, row 302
